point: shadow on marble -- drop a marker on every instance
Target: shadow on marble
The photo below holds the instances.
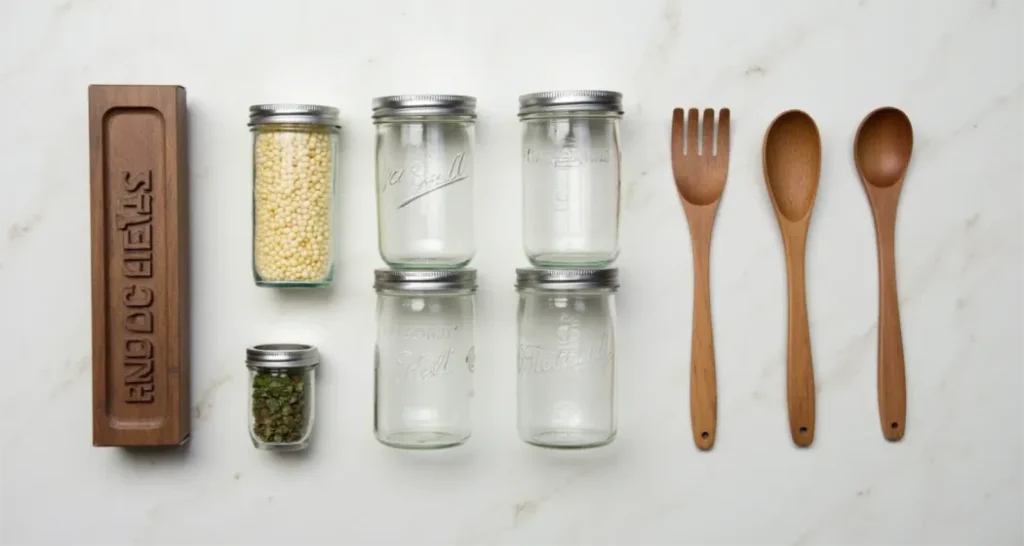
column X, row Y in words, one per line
column 141, row 458
column 587, row 459
column 306, row 297
column 455, row 458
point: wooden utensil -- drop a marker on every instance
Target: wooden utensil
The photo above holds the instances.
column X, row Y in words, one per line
column 700, row 165
column 792, row 166
column 882, row 150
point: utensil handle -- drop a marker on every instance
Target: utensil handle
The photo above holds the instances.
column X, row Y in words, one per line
column 892, row 380
column 799, row 366
column 703, row 384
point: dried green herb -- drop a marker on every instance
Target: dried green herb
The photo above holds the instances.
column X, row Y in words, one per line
column 280, row 406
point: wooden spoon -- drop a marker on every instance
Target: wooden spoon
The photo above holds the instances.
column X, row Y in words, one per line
column 700, row 174
column 792, row 165
column 882, row 149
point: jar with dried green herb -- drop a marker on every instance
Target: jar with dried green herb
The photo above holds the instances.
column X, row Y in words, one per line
column 282, row 379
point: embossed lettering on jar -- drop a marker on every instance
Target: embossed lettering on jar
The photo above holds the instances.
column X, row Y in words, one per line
column 424, row 357
column 424, row 157
column 566, row 360
column 294, row 172
column 571, row 177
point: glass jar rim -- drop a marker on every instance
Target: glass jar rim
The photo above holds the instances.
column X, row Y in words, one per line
column 279, row 356
column 423, row 105
column 584, row 100
column 424, row 280
column 567, row 279
column 293, row 114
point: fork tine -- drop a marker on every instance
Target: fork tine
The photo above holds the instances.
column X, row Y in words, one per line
column 691, row 131
column 709, row 133
column 677, row 138
column 723, row 132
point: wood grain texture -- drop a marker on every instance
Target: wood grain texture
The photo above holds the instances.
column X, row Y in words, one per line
column 700, row 164
column 792, row 166
column 892, row 380
column 800, row 398
column 140, row 270
column 882, row 151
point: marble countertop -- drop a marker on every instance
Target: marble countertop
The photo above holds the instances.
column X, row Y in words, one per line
column 957, row 69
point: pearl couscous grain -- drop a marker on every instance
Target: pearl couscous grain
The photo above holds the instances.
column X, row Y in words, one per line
column 293, row 201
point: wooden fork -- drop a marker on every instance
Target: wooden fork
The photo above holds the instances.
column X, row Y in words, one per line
column 700, row 165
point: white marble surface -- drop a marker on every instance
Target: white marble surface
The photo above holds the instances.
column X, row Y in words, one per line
column 957, row 68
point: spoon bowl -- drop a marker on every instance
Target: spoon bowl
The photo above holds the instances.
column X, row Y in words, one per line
column 882, row 149
column 792, row 163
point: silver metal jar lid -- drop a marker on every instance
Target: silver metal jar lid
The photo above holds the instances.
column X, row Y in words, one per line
column 282, row 356
column 303, row 114
column 424, row 105
column 567, row 279
column 569, row 101
column 424, row 279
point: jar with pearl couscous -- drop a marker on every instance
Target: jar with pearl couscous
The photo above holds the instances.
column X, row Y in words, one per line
column 294, row 176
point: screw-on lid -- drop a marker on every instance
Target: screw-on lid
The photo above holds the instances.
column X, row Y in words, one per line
column 424, row 105
column 569, row 101
column 567, row 279
column 281, row 356
column 422, row 279
column 308, row 114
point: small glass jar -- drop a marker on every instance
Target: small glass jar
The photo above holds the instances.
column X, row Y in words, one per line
column 423, row 363
column 424, row 159
column 571, row 177
column 566, row 360
column 294, row 172
column 282, row 381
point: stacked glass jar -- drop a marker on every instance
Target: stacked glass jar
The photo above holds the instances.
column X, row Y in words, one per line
column 566, row 314
column 423, row 362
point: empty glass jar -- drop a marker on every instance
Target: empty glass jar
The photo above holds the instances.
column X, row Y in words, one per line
column 282, row 380
column 566, row 361
column 423, row 364
column 571, row 177
column 294, row 172
column 424, row 158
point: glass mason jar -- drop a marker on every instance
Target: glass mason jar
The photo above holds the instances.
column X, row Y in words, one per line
column 424, row 159
column 282, row 380
column 294, row 171
column 566, row 362
column 571, row 177
column 423, row 363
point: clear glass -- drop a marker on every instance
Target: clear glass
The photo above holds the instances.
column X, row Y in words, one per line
column 294, row 179
column 281, row 407
column 423, row 368
column 425, row 191
column 566, row 368
column 571, row 180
